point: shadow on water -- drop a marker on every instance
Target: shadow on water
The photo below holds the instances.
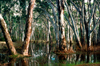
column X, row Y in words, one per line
column 42, row 56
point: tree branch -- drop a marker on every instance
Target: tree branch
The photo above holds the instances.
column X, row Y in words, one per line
column 68, row 21
column 76, row 8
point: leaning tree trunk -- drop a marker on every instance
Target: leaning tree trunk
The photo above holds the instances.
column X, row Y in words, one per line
column 25, row 46
column 7, row 37
column 62, row 41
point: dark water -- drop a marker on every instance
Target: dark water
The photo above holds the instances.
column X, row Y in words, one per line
column 41, row 57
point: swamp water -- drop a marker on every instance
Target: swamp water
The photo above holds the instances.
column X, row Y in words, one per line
column 42, row 57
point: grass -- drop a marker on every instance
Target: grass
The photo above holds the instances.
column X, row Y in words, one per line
column 13, row 56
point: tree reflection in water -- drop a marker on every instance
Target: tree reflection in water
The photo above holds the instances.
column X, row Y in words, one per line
column 50, row 59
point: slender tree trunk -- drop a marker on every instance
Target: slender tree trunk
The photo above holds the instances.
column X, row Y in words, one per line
column 82, row 31
column 23, row 36
column 83, row 27
column 74, row 27
column 87, row 36
column 94, row 32
column 68, row 39
column 90, row 37
column 48, row 35
column 62, row 41
column 94, row 37
column 7, row 37
column 28, row 28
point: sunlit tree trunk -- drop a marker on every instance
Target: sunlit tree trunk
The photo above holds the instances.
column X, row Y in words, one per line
column 49, row 62
column 28, row 28
column 68, row 39
column 23, row 36
column 7, row 37
column 48, row 36
column 62, row 41
column 71, row 36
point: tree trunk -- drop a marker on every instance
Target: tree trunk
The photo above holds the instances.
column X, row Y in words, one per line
column 74, row 27
column 68, row 38
column 94, row 37
column 98, row 38
column 62, row 41
column 23, row 36
column 7, row 37
column 83, row 27
column 28, row 28
column 48, row 36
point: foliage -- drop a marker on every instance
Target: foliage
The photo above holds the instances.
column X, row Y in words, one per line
column 2, row 39
column 14, row 39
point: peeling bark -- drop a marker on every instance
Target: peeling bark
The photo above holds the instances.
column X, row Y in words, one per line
column 7, row 36
column 25, row 46
column 62, row 41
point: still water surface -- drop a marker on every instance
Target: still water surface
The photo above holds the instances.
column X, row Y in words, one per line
column 40, row 57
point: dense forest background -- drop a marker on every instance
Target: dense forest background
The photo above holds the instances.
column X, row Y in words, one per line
column 67, row 22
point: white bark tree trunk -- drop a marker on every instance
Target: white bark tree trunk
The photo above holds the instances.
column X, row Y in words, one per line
column 74, row 26
column 68, row 39
column 23, row 35
column 62, row 41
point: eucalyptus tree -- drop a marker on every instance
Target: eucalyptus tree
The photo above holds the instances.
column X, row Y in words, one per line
column 72, row 23
column 86, row 14
column 62, row 40
column 7, row 37
column 28, row 28
column 47, row 9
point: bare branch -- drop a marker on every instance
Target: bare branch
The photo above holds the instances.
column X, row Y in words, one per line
column 68, row 21
column 92, row 13
column 76, row 8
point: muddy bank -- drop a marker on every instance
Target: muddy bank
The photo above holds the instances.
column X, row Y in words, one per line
column 17, row 45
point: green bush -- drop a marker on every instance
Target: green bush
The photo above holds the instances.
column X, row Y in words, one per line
column 2, row 39
column 14, row 39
